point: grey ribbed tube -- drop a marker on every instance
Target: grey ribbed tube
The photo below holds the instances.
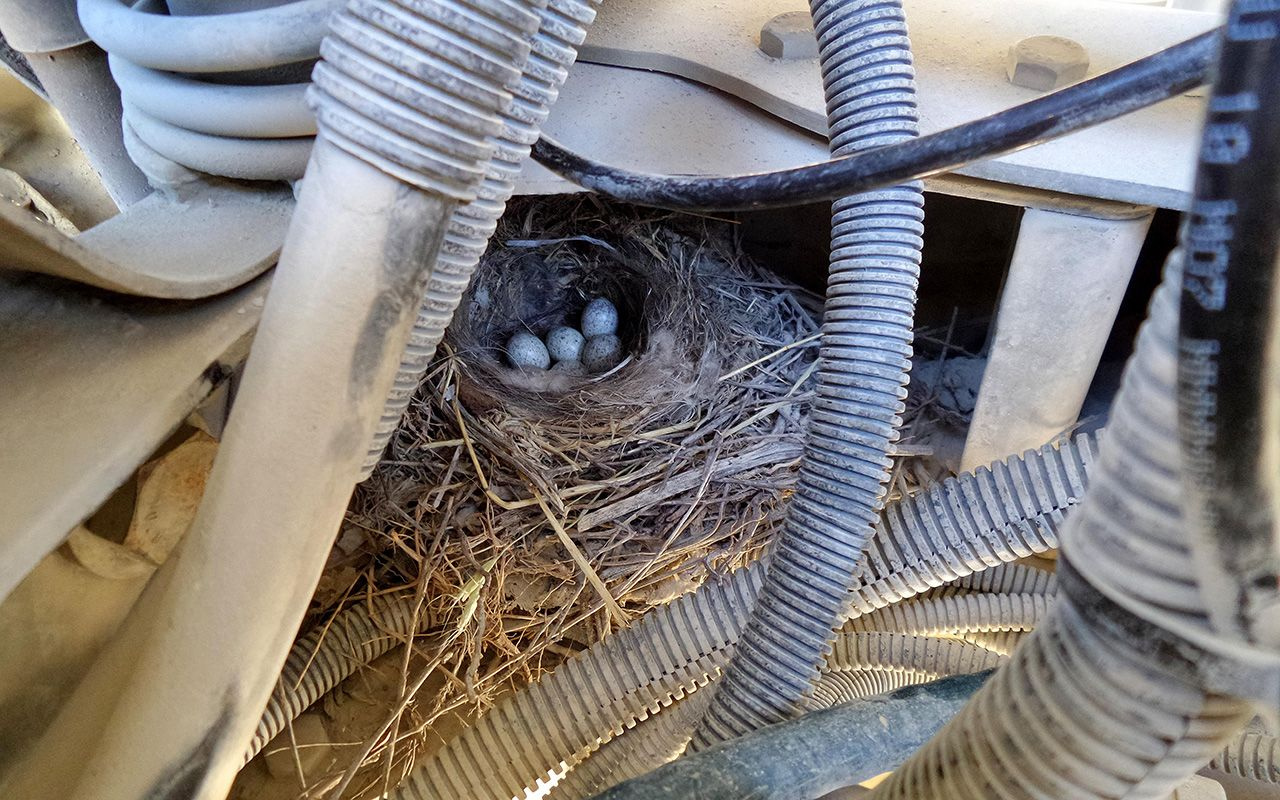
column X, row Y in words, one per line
column 858, row 670
column 1086, row 708
column 804, row 758
column 937, row 537
column 328, row 655
column 1255, row 756
column 958, row 527
column 563, row 27
column 841, row 686
column 1078, row 712
column 977, row 612
column 1002, row 642
column 1010, row 579
column 866, row 350
column 654, row 741
column 897, row 651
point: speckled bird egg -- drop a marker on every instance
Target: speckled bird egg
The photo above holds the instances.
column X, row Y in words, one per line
column 527, row 351
column 602, row 353
column 599, row 318
column 565, row 344
column 571, row 367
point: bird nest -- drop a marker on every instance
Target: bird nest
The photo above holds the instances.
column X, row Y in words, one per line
column 587, row 500
column 537, row 510
column 530, row 512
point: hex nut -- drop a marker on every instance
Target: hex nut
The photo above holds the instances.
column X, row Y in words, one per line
column 1046, row 62
column 789, row 37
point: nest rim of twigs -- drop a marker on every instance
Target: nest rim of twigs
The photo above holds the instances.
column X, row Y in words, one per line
column 541, row 516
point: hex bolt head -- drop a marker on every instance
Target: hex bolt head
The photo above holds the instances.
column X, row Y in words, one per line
column 789, row 37
column 1046, row 62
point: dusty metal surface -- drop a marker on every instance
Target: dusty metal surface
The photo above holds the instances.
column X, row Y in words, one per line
column 682, row 127
column 225, row 236
column 960, row 50
column 703, row 131
column 339, row 312
column 1065, row 282
column 36, row 144
column 93, row 383
column 73, row 74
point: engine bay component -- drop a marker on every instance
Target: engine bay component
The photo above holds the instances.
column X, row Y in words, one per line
column 799, row 614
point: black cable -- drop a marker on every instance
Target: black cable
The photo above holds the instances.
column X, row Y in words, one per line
column 1229, row 331
column 1113, row 94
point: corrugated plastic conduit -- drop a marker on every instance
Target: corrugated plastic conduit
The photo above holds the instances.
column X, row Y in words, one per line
column 329, row 654
column 860, row 666
column 866, row 350
column 1127, row 688
column 962, row 525
column 563, row 27
column 965, row 613
column 1254, row 756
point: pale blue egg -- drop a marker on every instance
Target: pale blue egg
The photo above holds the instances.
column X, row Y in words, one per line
column 527, row 351
column 599, row 318
column 602, row 353
column 565, row 344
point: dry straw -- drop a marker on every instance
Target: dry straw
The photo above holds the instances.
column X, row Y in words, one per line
column 533, row 512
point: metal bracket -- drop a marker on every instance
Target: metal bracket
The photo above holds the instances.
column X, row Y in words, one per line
column 216, row 237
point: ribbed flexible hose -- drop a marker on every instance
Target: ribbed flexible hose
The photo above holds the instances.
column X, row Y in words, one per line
column 820, row 752
column 841, row 686
column 1010, row 579
column 1255, row 756
column 960, row 526
column 1079, row 712
column 966, row 613
column 866, row 351
column 563, row 27
column 1087, row 708
column 897, row 651
column 331, row 653
column 861, row 666
column 944, row 534
column 654, row 741
column 1002, row 642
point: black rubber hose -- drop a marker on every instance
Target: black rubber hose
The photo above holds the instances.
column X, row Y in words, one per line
column 867, row 329
column 1113, row 94
column 820, row 752
column 1229, row 337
